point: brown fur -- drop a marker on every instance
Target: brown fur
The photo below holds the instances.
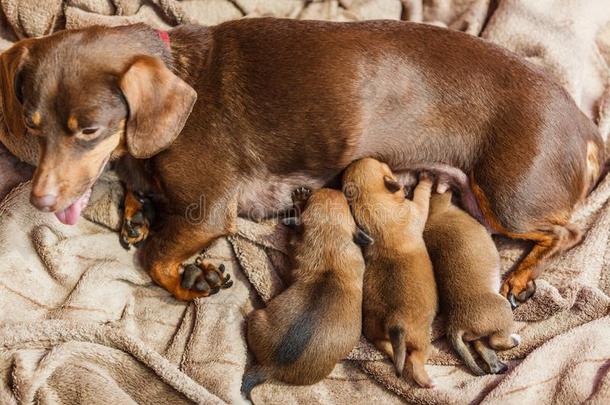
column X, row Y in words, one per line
column 400, row 299
column 466, row 267
column 271, row 115
column 303, row 332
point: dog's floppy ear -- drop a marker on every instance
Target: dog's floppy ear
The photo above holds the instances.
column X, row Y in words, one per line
column 11, row 63
column 159, row 104
column 391, row 184
column 362, row 238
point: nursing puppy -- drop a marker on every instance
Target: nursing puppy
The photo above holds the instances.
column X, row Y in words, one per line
column 466, row 265
column 317, row 321
column 399, row 300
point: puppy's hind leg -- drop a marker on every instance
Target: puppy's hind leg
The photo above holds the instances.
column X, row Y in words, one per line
column 457, row 341
column 490, row 357
column 416, row 364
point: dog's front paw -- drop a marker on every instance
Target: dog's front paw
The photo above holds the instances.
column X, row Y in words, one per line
column 205, row 278
column 137, row 220
column 134, row 231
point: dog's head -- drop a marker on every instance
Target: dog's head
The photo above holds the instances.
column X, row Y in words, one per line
column 88, row 96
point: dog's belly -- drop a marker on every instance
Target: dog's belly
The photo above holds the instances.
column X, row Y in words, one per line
column 269, row 195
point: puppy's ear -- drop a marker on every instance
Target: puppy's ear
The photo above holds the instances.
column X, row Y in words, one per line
column 362, row 238
column 159, row 104
column 391, row 184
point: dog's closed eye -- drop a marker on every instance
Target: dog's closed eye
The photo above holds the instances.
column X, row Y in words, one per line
column 89, row 131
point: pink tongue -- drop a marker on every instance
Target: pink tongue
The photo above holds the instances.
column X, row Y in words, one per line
column 70, row 215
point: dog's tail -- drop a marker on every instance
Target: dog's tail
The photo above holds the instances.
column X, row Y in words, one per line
column 253, row 377
column 457, row 341
column 399, row 347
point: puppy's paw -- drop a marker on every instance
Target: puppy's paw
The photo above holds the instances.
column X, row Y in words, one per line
column 301, row 195
column 205, row 278
column 425, row 177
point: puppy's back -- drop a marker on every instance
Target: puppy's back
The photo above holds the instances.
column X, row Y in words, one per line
column 465, row 258
column 298, row 334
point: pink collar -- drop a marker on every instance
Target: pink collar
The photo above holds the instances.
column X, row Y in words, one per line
column 164, row 36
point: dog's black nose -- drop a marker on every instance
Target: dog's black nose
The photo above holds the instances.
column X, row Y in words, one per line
column 44, row 202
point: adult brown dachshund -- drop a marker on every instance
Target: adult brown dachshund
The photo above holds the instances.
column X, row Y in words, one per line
column 227, row 120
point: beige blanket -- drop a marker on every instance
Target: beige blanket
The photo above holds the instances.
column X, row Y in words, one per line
column 82, row 322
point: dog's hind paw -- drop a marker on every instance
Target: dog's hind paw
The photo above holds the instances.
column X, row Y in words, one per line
column 205, row 278
column 517, row 289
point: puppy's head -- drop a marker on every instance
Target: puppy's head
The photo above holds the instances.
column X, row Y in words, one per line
column 374, row 194
column 87, row 96
column 327, row 217
column 368, row 179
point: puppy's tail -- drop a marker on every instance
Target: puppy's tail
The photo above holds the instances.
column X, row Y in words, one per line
column 399, row 348
column 463, row 351
column 253, row 377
